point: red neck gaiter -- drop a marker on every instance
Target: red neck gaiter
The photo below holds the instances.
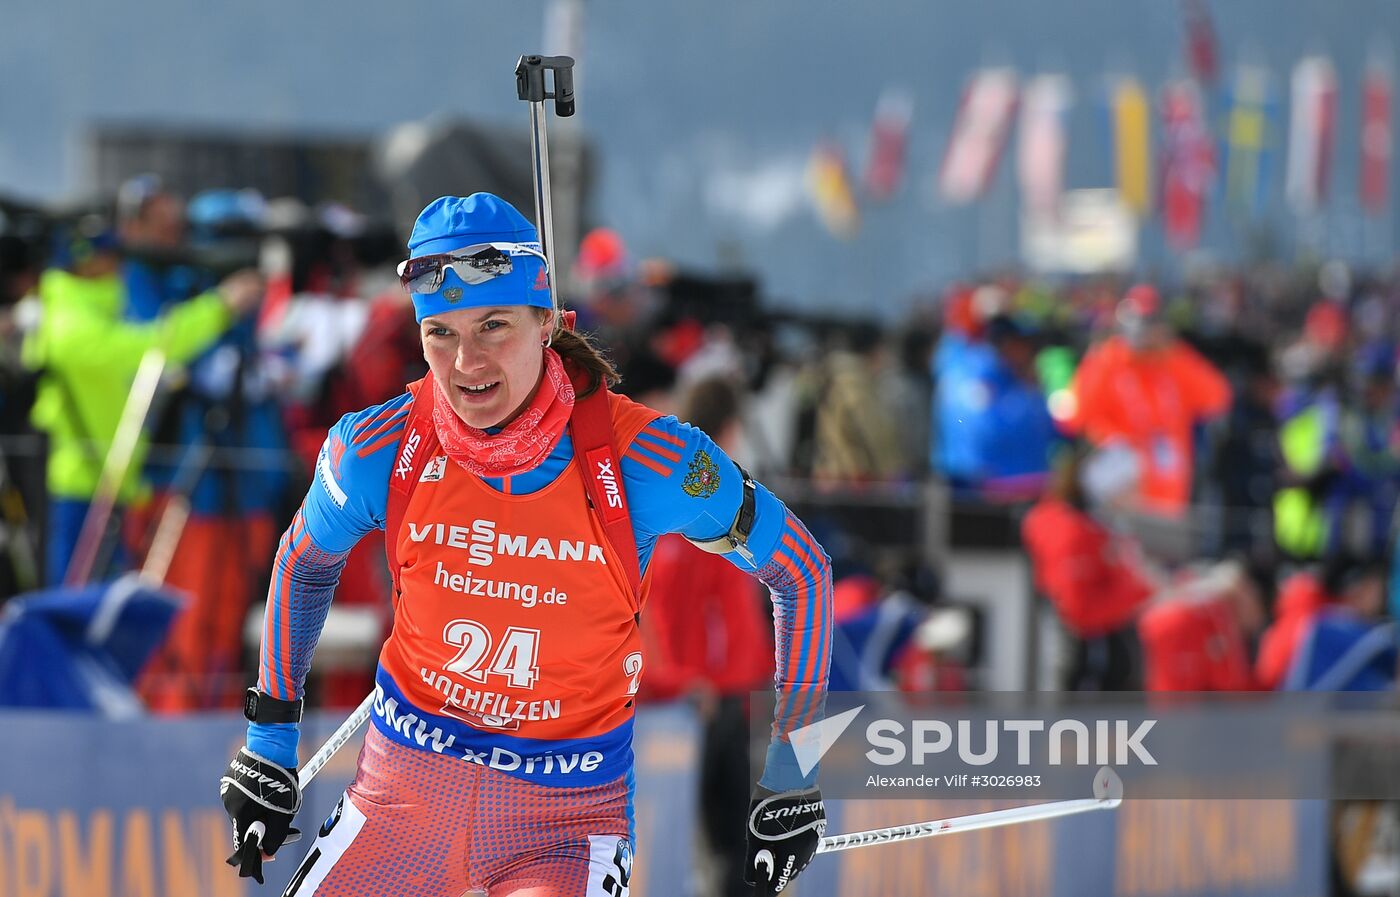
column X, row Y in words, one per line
column 524, row 442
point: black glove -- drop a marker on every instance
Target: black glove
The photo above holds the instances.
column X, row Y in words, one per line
column 783, row 832
column 262, row 799
column 1322, row 482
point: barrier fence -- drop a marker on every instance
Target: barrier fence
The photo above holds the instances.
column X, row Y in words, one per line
column 91, row 808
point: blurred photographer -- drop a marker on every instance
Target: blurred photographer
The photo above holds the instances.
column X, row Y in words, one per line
column 87, row 353
column 151, row 228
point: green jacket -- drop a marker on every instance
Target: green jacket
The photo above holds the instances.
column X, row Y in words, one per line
column 89, row 354
column 1300, row 518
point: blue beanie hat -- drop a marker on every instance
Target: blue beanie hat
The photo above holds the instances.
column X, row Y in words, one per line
column 452, row 222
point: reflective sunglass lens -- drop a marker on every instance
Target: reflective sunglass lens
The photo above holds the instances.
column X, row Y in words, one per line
column 481, row 266
column 422, row 275
column 426, row 283
column 425, row 274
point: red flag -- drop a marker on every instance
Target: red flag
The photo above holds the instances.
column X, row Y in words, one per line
column 1310, row 128
column 1375, row 138
column 1188, row 163
column 979, row 135
column 889, row 134
column 1201, row 54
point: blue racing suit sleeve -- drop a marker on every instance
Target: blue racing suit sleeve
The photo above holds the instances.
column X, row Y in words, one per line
column 347, row 500
column 679, row 481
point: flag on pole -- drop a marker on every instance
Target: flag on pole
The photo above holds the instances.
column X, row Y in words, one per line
column 829, row 186
column 1132, row 144
column 1312, row 120
column 1040, row 148
column 979, row 135
column 1376, row 137
column 889, row 134
column 1188, row 163
column 1248, row 139
column 1201, row 49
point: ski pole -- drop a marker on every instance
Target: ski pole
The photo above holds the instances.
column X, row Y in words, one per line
column 1108, row 794
column 125, row 443
column 335, row 742
column 530, row 87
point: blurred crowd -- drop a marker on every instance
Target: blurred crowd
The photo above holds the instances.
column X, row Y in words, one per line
column 1202, row 472
column 1200, row 475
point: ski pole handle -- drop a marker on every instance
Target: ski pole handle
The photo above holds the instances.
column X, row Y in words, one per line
column 530, row 81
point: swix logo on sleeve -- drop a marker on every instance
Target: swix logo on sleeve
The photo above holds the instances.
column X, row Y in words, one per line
column 600, row 462
column 410, row 445
column 484, row 543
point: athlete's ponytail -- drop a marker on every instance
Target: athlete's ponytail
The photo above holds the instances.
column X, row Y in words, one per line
column 578, row 348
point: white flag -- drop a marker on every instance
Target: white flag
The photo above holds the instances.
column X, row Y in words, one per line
column 1041, row 143
column 1310, row 127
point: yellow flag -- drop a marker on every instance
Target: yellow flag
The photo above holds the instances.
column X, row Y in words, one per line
column 830, row 189
column 1132, row 145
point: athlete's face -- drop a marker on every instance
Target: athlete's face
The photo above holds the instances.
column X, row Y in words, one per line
column 488, row 360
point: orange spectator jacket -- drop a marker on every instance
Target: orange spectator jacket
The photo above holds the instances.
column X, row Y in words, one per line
column 1151, row 401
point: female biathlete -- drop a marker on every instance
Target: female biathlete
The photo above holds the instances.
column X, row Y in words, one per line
column 521, row 500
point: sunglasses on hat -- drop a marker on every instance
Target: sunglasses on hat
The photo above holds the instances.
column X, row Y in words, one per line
column 475, row 264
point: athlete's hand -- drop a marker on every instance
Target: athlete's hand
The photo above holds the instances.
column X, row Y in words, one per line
column 262, row 799
column 783, row 832
column 242, row 291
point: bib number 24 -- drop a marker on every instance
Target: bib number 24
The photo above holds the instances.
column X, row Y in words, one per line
column 516, row 657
